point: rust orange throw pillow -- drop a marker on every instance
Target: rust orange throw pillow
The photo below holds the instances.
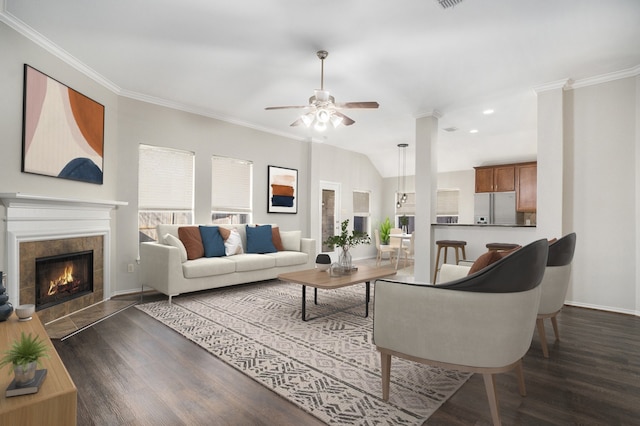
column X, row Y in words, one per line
column 190, row 237
column 224, row 232
column 275, row 238
column 486, row 259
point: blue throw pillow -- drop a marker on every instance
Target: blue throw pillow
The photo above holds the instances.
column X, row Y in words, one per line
column 212, row 241
column 259, row 239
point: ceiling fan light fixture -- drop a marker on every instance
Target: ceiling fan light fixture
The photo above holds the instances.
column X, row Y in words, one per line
column 320, row 126
column 307, row 119
column 322, row 95
column 336, row 120
column 323, row 115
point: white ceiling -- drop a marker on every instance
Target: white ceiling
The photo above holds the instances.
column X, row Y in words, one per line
column 232, row 59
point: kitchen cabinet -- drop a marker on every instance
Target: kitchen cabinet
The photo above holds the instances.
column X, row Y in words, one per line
column 495, row 178
column 526, row 187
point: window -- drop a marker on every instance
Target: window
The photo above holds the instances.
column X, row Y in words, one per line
column 231, row 190
column 165, row 188
column 447, row 205
column 406, row 212
column 361, row 211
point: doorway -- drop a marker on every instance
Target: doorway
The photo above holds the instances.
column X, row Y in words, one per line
column 329, row 212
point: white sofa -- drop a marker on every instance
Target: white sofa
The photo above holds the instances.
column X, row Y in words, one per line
column 163, row 268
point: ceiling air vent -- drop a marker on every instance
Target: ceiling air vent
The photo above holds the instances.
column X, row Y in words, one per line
column 448, row 3
column 450, row 129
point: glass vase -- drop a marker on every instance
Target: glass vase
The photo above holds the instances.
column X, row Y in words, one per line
column 344, row 260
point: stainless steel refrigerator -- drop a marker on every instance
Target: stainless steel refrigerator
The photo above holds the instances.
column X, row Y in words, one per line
column 497, row 208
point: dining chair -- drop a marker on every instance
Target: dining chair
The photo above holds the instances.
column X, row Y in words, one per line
column 383, row 248
column 408, row 251
column 395, row 243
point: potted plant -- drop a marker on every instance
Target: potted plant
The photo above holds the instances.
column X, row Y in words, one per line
column 385, row 229
column 346, row 241
column 404, row 222
column 25, row 356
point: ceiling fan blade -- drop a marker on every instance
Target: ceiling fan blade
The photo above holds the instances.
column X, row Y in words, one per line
column 346, row 121
column 372, row 104
column 287, row 107
column 297, row 122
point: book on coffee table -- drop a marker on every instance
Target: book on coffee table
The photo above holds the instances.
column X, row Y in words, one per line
column 31, row 387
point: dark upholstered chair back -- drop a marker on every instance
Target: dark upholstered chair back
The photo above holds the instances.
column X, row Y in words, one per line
column 527, row 264
column 561, row 251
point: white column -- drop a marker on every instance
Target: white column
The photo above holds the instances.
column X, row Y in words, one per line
column 426, row 185
column 550, row 161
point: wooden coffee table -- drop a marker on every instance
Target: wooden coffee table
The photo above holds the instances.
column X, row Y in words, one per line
column 323, row 280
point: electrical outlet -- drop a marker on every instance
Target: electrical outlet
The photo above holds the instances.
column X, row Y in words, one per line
column 130, row 267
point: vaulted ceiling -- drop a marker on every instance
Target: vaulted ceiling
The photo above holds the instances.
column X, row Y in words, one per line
column 230, row 60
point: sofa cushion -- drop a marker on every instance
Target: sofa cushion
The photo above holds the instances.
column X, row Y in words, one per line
column 289, row 258
column 291, row 240
column 252, row 262
column 233, row 244
column 207, row 267
column 175, row 242
column 259, row 239
column 190, row 237
column 212, row 241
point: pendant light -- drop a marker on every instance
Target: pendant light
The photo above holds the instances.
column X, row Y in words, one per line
column 402, row 174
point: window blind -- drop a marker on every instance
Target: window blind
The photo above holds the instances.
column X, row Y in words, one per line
column 360, row 203
column 165, row 178
column 447, row 202
column 408, row 207
column 231, row 184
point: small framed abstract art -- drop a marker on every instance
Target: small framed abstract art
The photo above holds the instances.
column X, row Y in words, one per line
column 62, row 131
column 283, row 190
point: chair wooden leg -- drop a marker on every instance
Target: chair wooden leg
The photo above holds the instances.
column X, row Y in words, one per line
column 385, row 364
column 435, row 269
column 492, row 396
column 543, row 337
column 554, row 322
column 520, row 373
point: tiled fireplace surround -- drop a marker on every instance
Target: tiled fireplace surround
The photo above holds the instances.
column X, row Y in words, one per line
column 44, row 226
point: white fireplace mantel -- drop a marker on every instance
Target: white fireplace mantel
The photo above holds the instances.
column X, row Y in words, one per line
column 38, row 218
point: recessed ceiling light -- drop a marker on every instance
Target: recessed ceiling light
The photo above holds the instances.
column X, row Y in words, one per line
column 488, row 112
column 473, row 131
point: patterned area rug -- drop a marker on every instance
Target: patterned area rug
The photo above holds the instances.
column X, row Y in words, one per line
column 328, row 366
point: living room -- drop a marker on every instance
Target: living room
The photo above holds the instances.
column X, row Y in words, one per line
column 592, row 126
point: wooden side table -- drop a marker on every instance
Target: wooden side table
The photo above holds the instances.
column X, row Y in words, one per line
column 56, row 401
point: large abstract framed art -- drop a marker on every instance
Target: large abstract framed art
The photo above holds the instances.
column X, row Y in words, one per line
column 283, row 190
column 63, row 130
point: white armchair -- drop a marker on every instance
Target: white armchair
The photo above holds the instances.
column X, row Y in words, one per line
column 481, row 323
column 554, row 286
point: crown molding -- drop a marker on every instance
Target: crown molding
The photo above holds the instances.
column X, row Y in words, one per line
column 53, row 48
column 554, row 85
column 604, row 78
column 433, row 113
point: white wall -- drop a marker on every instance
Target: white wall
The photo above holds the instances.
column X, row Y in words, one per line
column 16, row 51
column 602, row 185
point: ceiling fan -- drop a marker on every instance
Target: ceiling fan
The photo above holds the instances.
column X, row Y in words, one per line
column 322, row 108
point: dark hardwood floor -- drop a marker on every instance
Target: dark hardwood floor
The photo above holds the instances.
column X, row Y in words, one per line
column 132, row 370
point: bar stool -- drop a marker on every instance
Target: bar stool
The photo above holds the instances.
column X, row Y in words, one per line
column 501, row 246
column 445, row 244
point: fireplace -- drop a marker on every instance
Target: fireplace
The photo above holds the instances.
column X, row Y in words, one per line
column 63, row 277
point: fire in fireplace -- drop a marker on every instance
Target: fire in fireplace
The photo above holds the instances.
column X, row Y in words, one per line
column 63, row 277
